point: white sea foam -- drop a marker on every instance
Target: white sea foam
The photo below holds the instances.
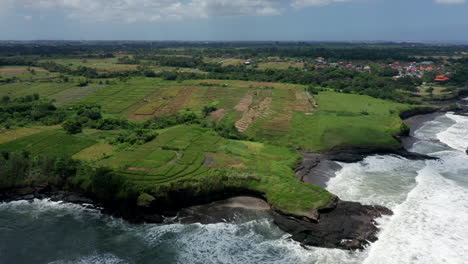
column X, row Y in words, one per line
column 430, row 199
column 39, row 207
column 378, row 180
column 429, row 227
column 456, row 136
column 93, row 259
column 252, row 242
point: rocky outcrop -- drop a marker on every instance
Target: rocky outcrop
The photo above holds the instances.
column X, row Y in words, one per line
column 356, row 154
column 418, row 111
column 349, row 225
column 29, row 193
column 344, row 225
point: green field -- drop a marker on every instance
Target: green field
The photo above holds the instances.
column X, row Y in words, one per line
column 43, row 88
column 17, row 133
column 94, row 152
column 50, row 142
column 74, row 94
column 108, row 64
column 347, row 120
column 112, row 65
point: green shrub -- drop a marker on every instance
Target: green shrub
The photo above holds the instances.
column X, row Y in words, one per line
column 145, row 200
column 72, row 126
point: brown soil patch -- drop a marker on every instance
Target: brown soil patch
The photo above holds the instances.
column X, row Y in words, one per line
column 253, row 113
column 245, row 102
column 209, row 160
column 139, row 117
column 139, row 169
column 218, row 115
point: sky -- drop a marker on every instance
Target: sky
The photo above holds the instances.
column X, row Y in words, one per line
column 233, row 20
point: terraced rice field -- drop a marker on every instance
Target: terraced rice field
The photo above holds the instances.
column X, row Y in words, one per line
column 94, row 152
column 120, row 98
column 253, row 110
column 176, row 153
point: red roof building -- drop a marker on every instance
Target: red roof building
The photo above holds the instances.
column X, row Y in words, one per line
column 441, row 78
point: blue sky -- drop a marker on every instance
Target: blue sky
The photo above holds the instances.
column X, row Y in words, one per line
column 335, row 20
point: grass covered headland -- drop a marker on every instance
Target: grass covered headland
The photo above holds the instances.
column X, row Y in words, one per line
column 157, row 142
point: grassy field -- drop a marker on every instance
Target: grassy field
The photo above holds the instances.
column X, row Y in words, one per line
column 347, row 120
column 225, row 61
column 7, row 135
column 279, row 65
column 25, row 73
column 112, row 65
column 108, row 64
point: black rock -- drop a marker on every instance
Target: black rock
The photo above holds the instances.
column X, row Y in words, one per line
column 153, row 218
column 349, row 226
column 356, row 154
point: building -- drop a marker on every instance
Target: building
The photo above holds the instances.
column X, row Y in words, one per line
column 441, row 78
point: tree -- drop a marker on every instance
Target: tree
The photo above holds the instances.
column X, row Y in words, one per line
column 430, row 90
column 72, row 126
column 5, row 99
column 207, row 109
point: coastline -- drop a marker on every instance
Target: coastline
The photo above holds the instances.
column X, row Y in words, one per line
column 341, row 224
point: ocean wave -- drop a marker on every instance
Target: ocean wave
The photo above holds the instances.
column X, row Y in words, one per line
column 456, row 136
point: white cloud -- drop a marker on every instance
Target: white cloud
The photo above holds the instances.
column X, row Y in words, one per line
column 307, row 3
column 130, row 11
column 450, row 2
column 28, row 18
